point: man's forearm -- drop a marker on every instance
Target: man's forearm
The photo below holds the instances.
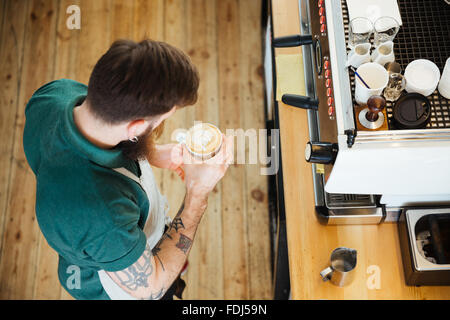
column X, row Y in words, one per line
column 174, row 246
column 155, row 271
column 171, row 251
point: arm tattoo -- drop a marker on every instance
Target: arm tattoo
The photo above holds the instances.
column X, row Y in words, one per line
column 157, row 295
column 177, row 223
column 136, row 276
column 184, row 243
column 181, row 208
column 156, row 249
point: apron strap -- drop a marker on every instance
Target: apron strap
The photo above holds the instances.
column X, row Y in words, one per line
column 129, row 174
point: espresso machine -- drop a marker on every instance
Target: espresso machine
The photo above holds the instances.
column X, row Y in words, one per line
column 393, row 173
column 369, row 176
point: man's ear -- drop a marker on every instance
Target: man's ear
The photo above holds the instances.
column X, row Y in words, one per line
column 136, row 128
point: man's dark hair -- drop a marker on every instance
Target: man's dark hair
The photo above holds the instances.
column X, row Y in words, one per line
column 139, row 80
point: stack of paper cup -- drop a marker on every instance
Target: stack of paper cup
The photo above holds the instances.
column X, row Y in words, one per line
column 444, row 84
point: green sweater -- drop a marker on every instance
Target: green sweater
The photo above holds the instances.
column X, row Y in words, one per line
column 91, row 215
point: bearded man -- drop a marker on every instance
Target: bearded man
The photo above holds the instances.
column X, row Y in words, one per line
column 97, row 202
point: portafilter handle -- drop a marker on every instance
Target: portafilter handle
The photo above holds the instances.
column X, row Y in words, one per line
column 292, row 41
column 300, row 101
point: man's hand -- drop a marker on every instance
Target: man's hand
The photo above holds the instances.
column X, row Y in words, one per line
column 202, row 176
column 168, row 156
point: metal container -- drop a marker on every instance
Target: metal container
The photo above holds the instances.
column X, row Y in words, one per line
column 341, row 269
column 425, row 245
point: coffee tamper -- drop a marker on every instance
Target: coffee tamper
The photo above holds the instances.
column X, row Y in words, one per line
column 372, row 117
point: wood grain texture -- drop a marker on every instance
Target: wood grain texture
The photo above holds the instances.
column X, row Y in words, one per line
column 47, row 285
column 13, row 26
column 149, row 19
column 202, row 37
column 234, row 217
column 11, row 42
column 309, row 243
column 223, row 40
column 21, row 237
column 122, row 19
column 95, row 35
column 256, row 201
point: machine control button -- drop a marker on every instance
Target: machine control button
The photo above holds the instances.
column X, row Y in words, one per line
column 331, row 113
column 320, row 3
column 322, row 19
column 330, row 101
column 323, row 28
column 327, row 74
column 328, row 83
column 321, row 11
column 329, row 92
column 326, row 64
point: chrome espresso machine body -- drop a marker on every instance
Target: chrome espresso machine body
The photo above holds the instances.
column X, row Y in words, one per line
column 366, row 177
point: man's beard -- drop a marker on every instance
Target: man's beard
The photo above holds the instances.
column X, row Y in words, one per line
column 145, row 145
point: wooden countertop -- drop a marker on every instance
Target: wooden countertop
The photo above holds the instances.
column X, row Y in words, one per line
column 309, row 243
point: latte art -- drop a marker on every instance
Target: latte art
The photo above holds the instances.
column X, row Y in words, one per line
column 204, row 140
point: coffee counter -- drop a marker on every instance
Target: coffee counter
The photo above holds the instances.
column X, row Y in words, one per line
column 379, row 271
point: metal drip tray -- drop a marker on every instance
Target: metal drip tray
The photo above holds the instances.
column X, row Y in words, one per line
column 345, row 201
column 352, row 209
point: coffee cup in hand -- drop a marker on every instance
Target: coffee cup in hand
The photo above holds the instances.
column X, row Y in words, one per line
column 203, row 141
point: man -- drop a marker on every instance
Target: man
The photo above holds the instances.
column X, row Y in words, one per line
column 97, row 203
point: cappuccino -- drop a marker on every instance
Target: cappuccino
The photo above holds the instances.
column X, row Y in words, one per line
column 204, row 140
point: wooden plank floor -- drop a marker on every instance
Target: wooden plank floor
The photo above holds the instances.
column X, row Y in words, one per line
column 230, row 258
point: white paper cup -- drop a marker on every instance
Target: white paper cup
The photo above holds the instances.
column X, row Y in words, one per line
column 422, row 76
column 444, row 84
column 376, row 77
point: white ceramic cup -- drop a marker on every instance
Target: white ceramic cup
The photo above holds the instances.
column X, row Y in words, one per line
column 422, row 76
column 376, row 78
column 444, row 84
column 359, row 55
column 384, row 53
